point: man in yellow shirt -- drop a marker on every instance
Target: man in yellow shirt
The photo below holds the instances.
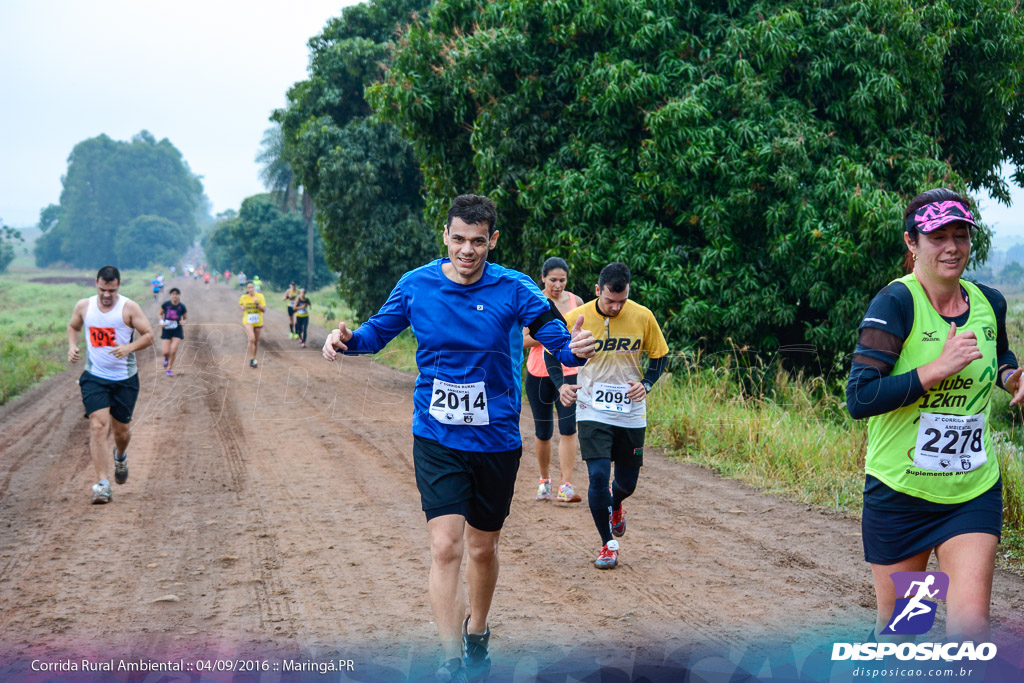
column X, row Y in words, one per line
column 252, row 304
column 611, row 411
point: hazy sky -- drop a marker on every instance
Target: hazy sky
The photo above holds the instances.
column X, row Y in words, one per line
column 205, row 75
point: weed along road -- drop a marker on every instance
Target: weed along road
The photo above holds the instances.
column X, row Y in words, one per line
column 268, row 510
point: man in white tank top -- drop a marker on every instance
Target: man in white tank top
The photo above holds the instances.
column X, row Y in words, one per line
column 110, row 383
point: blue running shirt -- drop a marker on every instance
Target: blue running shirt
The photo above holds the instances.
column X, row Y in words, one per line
column 466, row 334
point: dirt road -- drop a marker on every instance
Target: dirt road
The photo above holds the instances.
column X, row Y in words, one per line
column 279, row 507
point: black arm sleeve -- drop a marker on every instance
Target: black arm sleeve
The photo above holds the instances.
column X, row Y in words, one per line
column 552, row 314
column 654, row 370
column 554, row 369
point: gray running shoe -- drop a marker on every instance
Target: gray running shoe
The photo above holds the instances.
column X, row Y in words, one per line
column 120, row 468
column 100, row 494
column 451, row 671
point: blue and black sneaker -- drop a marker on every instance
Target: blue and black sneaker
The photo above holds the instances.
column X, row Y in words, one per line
column 451, row 671
column 120, row 467
column 475, row 653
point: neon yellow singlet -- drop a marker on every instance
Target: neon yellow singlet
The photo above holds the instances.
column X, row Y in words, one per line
column 947, row 442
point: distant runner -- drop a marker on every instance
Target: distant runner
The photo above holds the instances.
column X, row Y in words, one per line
column 289, row 296
column 110, row 382
column 253, row 304
column 464, row 311
column 172, row 321
column 611, row 411
column 302, row 305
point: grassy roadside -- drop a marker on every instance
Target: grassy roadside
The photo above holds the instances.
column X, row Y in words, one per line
column 798, row 442
column 35, row 306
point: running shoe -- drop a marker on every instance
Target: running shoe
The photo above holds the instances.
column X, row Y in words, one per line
column 170, row 374
column 452, row 671
column 303, row 344
column 165, row 361
column 544, row 490
column 475, row 654
column 567, row 494
column 120, row 468
column 100, row 494
column 252, row 363
column 618, row 521
column 609, row 556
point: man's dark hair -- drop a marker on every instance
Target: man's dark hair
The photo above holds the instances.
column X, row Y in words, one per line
column 173, row 290
column 109, row 274
column 614, row 276
column 473, row 210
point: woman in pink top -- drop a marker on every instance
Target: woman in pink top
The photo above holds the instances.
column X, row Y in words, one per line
column 543, row 396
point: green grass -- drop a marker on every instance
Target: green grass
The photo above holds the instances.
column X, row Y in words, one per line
column 34, row 318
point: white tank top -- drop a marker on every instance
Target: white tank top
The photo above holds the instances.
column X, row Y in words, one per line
column 104, row 332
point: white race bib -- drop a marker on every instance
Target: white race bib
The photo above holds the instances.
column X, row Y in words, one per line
column 950, row 443
column 170, row 324
column 611, row 398
column 459, row 404
column 252, row 318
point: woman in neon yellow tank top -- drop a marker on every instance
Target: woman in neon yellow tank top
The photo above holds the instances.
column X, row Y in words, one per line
column 931, row 352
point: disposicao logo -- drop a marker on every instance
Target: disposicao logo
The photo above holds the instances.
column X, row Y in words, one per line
column 914, row 615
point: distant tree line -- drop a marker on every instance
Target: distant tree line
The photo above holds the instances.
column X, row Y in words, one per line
column 131, row 202
column 268, row 240
column 8, row 238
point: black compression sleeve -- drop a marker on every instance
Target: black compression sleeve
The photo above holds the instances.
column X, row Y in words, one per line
column 654, row 370
column 551, row 314
column 554, row 369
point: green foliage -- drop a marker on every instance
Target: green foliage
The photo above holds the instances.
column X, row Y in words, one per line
column 108, row 185
column 1011, row 274
column 266, row 241
column 749, row 161
column 149, row 239
column 363, row 176
column 8, row 236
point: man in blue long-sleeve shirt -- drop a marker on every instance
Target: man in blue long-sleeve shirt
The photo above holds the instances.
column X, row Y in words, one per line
column 466, row 314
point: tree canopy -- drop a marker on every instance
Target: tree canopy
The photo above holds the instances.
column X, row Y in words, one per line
column 362, row 175
column 749, row 161
column 267, row 241
column 8, row 237
column 110, row 184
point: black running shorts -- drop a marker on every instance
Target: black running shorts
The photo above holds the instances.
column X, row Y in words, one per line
column 478, row 486
column 118, row 395
column 176, row 333
column 624, row 445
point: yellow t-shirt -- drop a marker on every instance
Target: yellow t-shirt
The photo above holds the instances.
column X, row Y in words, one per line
column 253, row 315
column 620, row 342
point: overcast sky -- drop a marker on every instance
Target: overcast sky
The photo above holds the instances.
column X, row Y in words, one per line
column 205, row 75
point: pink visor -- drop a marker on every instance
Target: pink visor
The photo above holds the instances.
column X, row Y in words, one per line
column 931, row 217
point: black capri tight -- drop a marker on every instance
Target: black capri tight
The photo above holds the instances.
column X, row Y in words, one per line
column 542, row 394
column 302, row 326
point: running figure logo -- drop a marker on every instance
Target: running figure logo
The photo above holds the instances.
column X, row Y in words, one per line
column 914, row 613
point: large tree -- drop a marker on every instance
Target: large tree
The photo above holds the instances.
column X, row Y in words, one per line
column 748, row 160
column 362, row 176
column 109, row 184
column 267, row 241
